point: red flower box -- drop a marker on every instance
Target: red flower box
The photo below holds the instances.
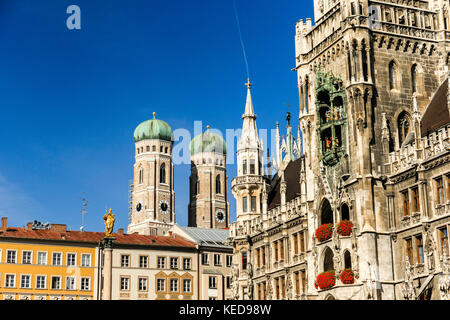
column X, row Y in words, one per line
column 344, row 228
column 324, row 232
column 347, row 276
column 325, row 280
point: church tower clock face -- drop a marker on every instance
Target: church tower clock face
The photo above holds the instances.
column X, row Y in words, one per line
column 220, row 216
column 163, row 206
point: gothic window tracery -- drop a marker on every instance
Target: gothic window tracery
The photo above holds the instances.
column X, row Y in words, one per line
column 328, row 263
column 218, row 191
column 403, row 124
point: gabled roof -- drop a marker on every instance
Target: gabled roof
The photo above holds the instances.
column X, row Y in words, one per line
column 436, row 115
column 95, row 237
column 207, row 237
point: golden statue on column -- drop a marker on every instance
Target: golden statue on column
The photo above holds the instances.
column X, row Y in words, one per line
column 109, row 223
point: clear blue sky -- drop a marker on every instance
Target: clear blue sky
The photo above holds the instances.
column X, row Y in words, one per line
column 70, row 100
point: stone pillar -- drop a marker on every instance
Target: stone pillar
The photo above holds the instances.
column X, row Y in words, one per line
column 107, row 268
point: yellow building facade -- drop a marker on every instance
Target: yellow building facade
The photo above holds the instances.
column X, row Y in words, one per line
column 47, row 264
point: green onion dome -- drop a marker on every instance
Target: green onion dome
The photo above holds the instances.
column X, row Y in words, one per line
column 153, row 129
column 208, row 142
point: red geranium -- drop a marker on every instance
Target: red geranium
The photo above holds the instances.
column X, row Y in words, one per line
column 324, row 232
column 344, row 228
column 326, row 280
column 347, row 276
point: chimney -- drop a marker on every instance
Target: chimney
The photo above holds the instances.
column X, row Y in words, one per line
column 4, row 224
column 58, row 228
column 30, row 226
column 120, row 231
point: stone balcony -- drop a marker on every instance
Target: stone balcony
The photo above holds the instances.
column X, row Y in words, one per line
column 244, row 181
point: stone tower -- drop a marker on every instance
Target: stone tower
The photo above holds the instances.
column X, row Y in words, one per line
column 208, row 206
column 153, row 193
column 250, row 184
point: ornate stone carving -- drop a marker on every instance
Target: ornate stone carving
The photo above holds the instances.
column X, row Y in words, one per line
column 408, row 290
column 444, row 281
column 234, row 281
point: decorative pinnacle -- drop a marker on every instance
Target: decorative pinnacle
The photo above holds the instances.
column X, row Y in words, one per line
column 208, row 127
column 248, row 84
column 154, row 115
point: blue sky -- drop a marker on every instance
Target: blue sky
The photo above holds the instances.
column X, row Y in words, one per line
column 71, row 99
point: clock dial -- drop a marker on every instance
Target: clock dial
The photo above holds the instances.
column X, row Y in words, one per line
column 163, row 206
column 220, row 216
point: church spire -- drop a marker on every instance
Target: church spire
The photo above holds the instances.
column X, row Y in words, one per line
column 249, row 112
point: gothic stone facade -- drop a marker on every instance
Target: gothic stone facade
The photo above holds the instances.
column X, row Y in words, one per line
column 375, row 151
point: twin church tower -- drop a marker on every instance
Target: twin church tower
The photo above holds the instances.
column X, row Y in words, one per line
column 153, row 196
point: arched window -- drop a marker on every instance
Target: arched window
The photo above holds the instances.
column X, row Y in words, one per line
column 392, row 75
column 328, row 263
column 141, row 176
column 148, row 148
column 347, row 260
column 166, row 150
column 345, row 212
column 403, row 127
column 161, row 149
column 154, row 148
column 326, row 213
column 218, row 191
column 414, row 78
column 197, row 187
column 162, row 173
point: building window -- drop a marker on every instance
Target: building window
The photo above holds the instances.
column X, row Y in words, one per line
column 414, row 78
column 85, row 284
column 141, row 176
column 161, row 262
column 244, row 260
column 409, row 250
column 197, row 187
column 295, row 241
column 10, row 281
column 263, row 250
column 275, row 248
column 302, row 241
column 303, row 280
column 162, row 173
column 173, row 285
column 56, row 283
column 187, row 285
column 347, row 260
column 281, row 242
column 143, row 284
column 86, row 260
column 41, row 282
column 244, row 167
column 173, row 263
column 217, row 260
column 143, row 262
column 244, row 204
column 403, row 127
column 228, row 282
column 70, row 283
column 71, row 259
column 253, row 203
column 160, row 285
column 11, row 256
column 166, row 150
column 439, row 190
column 415, row 199
column 42, row 258
column 218, row 191
column 147, row 148
column 405, row 199
column 297, row 282
column 187, row 263
column 252, row 166
column 25, row 282
column 229, row 260
column 125, row 260
column 57, row 258
column 26, row 257
column 124, row 283
column 257, row 258
column 419, row 249
column 443, row 239
column 212, row 282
